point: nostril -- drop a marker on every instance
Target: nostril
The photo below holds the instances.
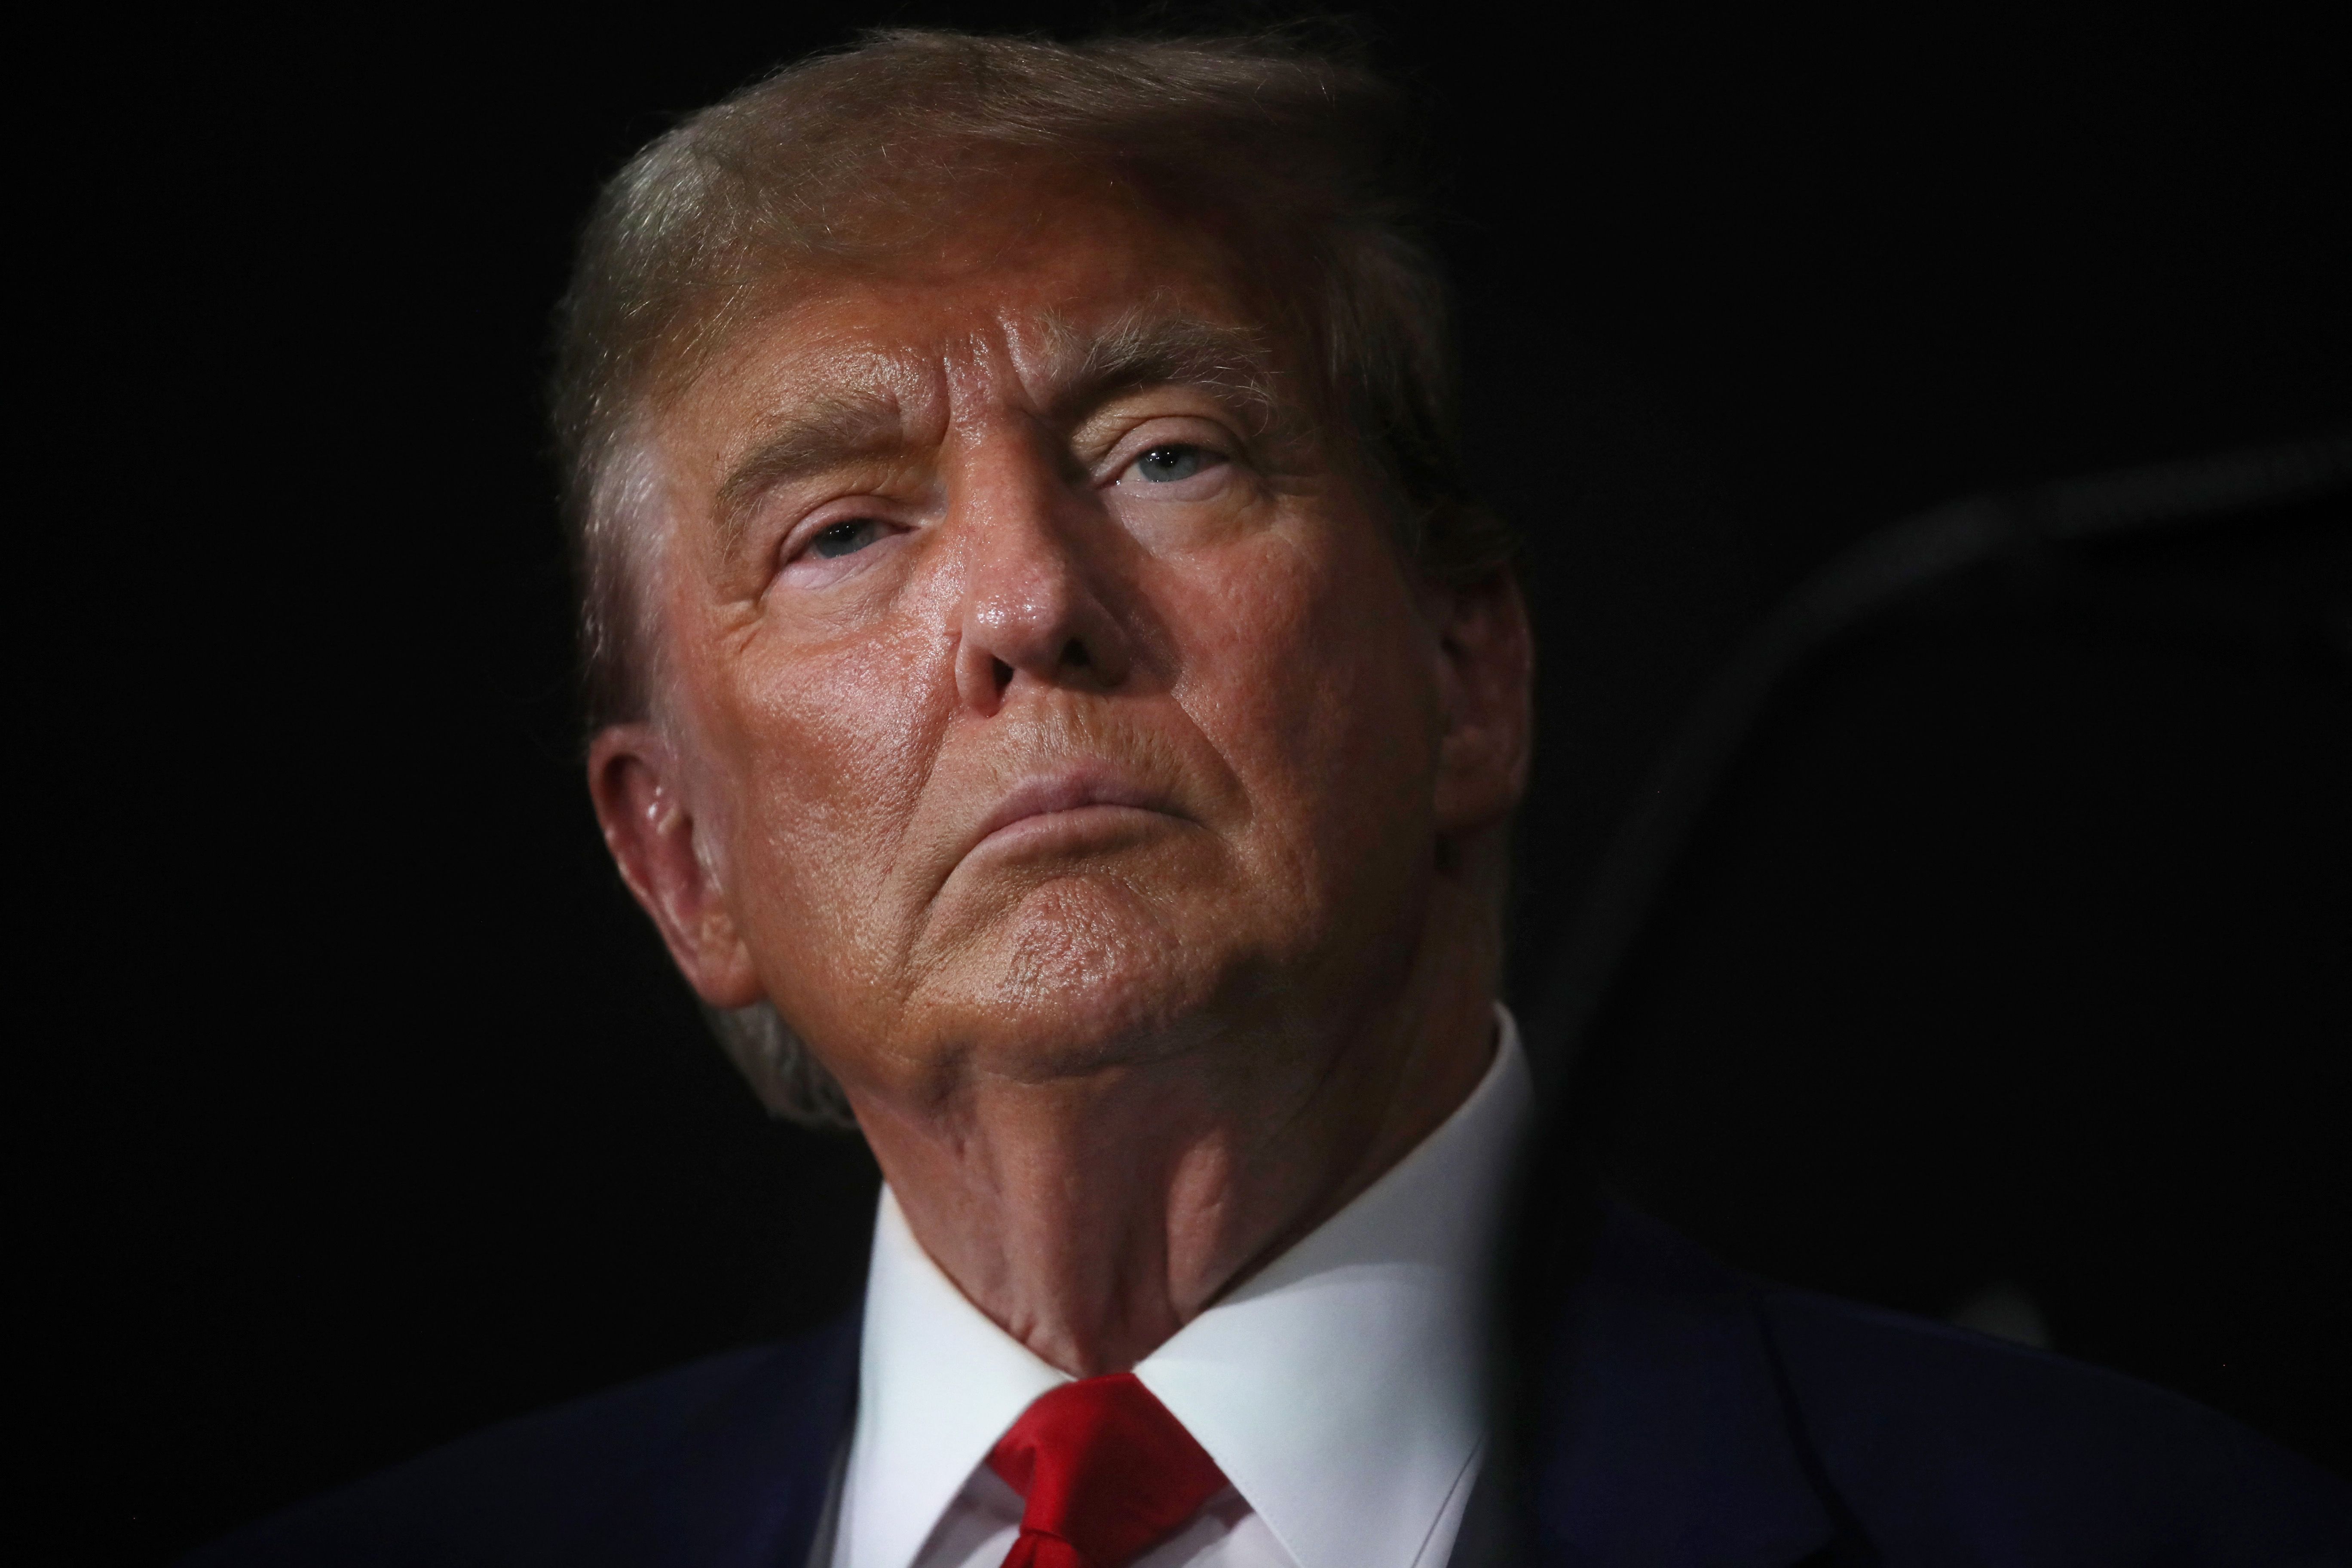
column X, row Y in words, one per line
column 1075, row 656
column 1001, row 672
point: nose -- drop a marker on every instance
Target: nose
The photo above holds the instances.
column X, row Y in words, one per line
column 1038, row 595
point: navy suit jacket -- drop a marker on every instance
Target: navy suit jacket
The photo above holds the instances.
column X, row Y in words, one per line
column 1696, row 1419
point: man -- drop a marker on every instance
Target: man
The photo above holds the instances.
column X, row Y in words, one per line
column 1054, row 695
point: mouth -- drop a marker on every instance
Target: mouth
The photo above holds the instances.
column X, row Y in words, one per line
column 1068, row 804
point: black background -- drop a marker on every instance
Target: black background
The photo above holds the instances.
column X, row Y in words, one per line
column 367, row 1110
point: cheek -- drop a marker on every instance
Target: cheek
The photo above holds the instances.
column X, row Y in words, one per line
column 1309, row 671
column 828, row 748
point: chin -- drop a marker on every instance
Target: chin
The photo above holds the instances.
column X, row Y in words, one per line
column 1083, row 976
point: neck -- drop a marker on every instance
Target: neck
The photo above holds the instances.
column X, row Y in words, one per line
column 1092, row 1216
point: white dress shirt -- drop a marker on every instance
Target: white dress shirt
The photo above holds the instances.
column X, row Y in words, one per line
column 1339, row 1388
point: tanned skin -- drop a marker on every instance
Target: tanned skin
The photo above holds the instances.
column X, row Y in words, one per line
column 1050, row 726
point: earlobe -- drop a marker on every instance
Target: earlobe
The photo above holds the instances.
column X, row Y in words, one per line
column 632, row 778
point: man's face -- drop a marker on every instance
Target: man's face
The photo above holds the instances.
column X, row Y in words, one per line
column 1042, row 692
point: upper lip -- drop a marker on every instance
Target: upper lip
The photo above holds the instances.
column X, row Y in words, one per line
column 1066, row 790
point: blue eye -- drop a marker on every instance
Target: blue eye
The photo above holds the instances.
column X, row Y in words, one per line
column 1166, row 465
column 847, row 537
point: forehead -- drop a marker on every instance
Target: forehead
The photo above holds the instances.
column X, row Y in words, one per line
column 1011, row 298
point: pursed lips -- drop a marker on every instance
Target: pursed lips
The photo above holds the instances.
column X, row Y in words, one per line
column 1033, row 805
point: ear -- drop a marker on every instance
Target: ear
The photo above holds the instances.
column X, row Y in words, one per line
column 1486, row 674
column 633, row 777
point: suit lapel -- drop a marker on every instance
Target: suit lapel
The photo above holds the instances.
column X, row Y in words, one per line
column 747, row 1484
column 1665, row 1436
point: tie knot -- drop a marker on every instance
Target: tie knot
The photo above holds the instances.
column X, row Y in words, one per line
column 1105, row 1470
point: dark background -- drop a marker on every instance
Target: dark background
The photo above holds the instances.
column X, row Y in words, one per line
column 367, row 1109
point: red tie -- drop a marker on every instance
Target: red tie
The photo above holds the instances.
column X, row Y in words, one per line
column 1107, row 1473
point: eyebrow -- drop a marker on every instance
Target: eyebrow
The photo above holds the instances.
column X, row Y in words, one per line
column 1232, row 363
column 829, row 431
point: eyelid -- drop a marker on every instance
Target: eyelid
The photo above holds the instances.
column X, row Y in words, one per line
column 1133, row 443
column 797, row 538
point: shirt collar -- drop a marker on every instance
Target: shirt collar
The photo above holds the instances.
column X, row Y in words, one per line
column 937, row 1384
column 1339, row 1388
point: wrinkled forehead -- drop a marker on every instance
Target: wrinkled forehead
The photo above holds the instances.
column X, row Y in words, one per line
column 1038, row 294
